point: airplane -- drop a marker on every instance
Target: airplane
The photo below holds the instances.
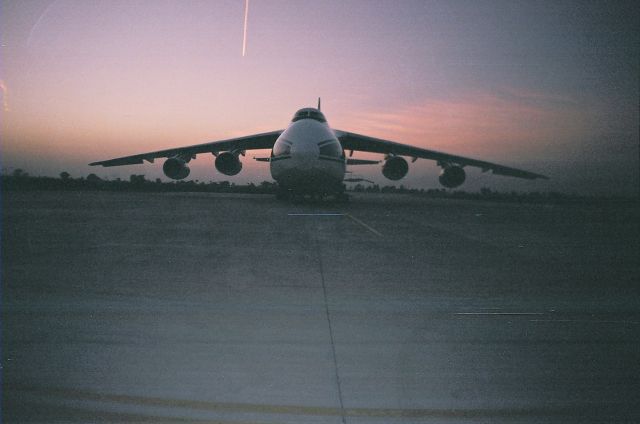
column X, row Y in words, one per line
column 308, row 157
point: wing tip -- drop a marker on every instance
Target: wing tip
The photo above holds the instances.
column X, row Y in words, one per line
column 514, row 172
column 535, row 176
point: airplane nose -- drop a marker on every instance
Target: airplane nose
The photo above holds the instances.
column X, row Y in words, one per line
column 305, row 152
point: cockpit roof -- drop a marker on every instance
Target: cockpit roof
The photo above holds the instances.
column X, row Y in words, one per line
column 309, row 113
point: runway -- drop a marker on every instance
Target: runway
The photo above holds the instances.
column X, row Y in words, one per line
column 185, row 307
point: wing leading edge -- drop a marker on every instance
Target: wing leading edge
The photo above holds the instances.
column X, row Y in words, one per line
column 352, row 141
column 250, row 142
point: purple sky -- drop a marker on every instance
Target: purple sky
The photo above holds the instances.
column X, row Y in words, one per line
column 548, row 86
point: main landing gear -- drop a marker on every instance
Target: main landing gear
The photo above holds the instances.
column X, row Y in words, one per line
column 297, row 196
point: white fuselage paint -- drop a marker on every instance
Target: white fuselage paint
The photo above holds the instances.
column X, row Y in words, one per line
column 297, row 162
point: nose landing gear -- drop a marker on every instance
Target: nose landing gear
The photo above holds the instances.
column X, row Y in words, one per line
column 342, row 197
column 300, row 196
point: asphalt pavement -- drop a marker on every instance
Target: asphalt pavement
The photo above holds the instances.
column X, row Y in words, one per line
column 150, row 307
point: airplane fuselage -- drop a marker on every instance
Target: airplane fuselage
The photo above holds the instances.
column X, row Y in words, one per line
column 307, row 157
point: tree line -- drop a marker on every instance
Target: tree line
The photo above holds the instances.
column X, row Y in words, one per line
column 20, row 180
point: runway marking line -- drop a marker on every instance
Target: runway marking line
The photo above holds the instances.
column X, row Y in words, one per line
column 316, row 214
column 356, row 220
column 348, row 215
column 591, row 321
column 499, row 313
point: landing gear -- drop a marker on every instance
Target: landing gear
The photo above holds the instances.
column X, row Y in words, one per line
column 283, row 194
column 337, row 194
column 342, row 197
column 289, row 195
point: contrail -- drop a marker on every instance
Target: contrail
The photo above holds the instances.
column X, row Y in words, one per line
column 35, row 27
column 5, row 96
column 244, row 38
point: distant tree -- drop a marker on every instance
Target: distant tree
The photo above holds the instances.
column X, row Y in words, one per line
column 373, row 189
column 64, row 175
column 267, row 186
column 137, row 179
column 19, row 173
column 93, row 178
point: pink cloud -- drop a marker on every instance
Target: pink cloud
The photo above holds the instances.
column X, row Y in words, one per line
column 483, row 124
column 5, row 96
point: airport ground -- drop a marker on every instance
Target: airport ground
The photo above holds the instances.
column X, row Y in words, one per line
column 224, row 308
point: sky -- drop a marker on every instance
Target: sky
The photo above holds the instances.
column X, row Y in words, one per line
column 551, row 87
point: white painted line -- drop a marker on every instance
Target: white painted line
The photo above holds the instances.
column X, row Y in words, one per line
column 499, row 313
column 315, row 214
column 584, row 321
column 356, row 220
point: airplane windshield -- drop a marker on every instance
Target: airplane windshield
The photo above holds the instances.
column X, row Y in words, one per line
column 309, row 114
column 331, row 149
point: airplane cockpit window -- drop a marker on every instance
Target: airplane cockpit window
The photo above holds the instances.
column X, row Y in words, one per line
column 318, row 116
column 309, row 114
column 332, row 149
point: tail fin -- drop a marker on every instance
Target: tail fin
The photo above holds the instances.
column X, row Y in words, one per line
column 318, row 103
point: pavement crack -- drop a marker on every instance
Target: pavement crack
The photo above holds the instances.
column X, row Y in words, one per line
column 328, row 314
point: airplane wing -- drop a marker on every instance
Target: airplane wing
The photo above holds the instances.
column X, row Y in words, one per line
column 352, row 141
column 250, row 142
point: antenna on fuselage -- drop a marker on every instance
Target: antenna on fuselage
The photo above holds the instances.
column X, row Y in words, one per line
column 318, row 103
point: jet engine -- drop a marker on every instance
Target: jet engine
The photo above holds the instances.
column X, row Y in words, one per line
column 395, row 168
column 452, row 176
column 228, row 163
column 176, row 168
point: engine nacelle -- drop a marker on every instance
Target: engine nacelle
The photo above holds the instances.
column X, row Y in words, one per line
column 228, row 163
column 175, row 168
column 395, row 168
column 452, row 176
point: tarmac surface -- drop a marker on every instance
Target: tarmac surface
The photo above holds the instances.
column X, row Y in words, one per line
column 184, row 307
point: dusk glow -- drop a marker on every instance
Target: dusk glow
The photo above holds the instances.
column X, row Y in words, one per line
column 545, row 86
